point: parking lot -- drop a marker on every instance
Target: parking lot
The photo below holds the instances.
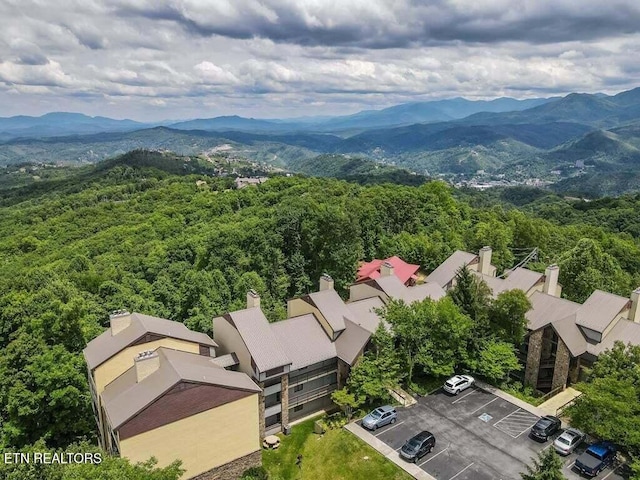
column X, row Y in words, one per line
column 478, row 436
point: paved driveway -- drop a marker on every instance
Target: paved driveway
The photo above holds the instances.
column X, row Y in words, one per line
column 479, row 436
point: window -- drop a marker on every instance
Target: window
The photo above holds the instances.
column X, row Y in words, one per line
column 298, row 408
column 274, row 371
column 298, row 388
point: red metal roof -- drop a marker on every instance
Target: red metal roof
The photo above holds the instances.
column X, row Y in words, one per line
column 401, row 269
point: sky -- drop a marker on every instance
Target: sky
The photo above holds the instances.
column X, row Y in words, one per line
column 154, row 60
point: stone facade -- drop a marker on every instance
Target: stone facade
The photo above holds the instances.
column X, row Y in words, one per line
column 284, row 400
column 343, row 373
column 574, row 370
column 232, row 470
column 261, row 410
column 561, row 366
column 532, row 367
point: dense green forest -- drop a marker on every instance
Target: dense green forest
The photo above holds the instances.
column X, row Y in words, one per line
column 138, row 233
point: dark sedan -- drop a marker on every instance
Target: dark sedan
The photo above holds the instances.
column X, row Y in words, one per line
column 545, row 427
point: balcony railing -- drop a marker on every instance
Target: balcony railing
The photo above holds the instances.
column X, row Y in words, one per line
column 312, row 395
column 312, row 375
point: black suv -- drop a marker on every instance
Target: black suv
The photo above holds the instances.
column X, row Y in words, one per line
column 418, row 446
column 545, row 427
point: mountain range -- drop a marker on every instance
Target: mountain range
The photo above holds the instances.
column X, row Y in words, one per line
column 550, row 138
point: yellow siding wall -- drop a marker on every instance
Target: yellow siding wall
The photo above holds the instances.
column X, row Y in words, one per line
column 123, row 361
column 230, row 341
column 202, row 441
column 297, row 307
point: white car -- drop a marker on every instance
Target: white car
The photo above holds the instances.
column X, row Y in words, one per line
column 458, row 383
column 568, row 441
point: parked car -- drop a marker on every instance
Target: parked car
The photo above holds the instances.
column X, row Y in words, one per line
column 418, row 446
column 596, row 458
column 380, row 417
column 458, row 383
column 545, row 427
column 568, row 441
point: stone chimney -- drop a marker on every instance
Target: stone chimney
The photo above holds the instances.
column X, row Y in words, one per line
column 326, row 282
column 634, row 313
column 119, row 320
column 146, row 363
column 253, row 299
column 484, row 265
column 386, row 269
column 551, row 280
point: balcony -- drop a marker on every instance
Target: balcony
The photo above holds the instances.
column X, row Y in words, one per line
column 312, row 395
column 312, row 375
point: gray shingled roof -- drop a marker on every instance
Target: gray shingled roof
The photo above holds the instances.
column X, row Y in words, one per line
column 394, row 288
column 105, row 346
column 226, row 361
column 363, row 312
column 124, row 397
column 547, row 309
column 263, row 345
column 447, row 270
column 625, row 331
column 351, row 342
column 571, row 335
column 520, row 278
column 600, row 309
column 332, row 308
column 304, row 340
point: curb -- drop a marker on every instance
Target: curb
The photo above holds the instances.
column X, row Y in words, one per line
column 382, row 448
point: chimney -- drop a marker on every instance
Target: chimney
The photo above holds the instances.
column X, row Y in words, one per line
column 253, row 299
column 386, row 269
column 484, row 266
column 119, row 320
column 634, row 314
column 326, row 282
column 146, row 363
column 551, row 280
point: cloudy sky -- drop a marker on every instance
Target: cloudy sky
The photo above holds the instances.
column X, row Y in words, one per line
column 171, row 59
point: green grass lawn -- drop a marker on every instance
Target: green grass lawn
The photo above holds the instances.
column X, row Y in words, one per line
column 336, row 455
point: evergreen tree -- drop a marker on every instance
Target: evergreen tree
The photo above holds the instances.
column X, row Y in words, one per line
column 548, row 466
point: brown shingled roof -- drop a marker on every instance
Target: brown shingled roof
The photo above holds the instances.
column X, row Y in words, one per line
column 124, row 397
column 600, row 309
column 263, row 345
column 106, row 345
column 448, row 269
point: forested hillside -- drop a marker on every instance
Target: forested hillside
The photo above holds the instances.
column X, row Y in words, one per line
column 143, row 236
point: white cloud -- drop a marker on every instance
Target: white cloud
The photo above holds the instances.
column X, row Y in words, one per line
column 279, row 57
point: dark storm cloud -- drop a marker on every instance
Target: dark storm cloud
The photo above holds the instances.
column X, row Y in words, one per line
column 380, row 24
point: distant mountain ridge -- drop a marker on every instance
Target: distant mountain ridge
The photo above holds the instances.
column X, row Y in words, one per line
column 553, row 139
column 63, row 123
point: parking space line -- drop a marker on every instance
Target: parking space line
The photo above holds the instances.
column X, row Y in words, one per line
column 477, row 409
column 434, row 456
column 609, row 474
column 462, row 398
column 504, row 418
column 462, row 470
column 391, row 428
column 528, row 429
